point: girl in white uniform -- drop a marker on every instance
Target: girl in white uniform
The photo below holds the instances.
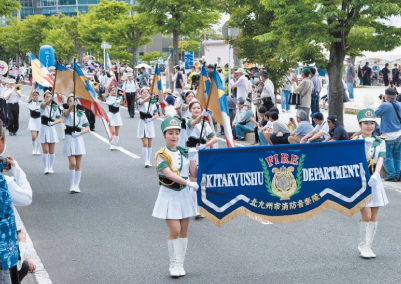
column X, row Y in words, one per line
column 113, row 100
column 375, row 152
column 50, row 116
column 34, row 120
column 185, row 114
column 148, row 112
column 76, row 124
column 174, row 204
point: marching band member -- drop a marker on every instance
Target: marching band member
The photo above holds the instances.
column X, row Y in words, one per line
column 113, row 100
column 34, row 120
column 375, row 149
column 185, row 114
column 3, row 86
column 174, row 204
column 50, row 116
column 12, row 96
column 148, row 112
column 76, row 124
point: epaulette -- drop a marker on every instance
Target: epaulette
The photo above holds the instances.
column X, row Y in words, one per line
column 183, row 151
column 355, row 137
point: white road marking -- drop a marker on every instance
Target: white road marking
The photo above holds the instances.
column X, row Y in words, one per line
column 126, row 152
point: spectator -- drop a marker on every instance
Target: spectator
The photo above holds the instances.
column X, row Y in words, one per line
column 303, row 128
column 305, row 89
column 179, row 81
column 170, row 100
column 242, row 123
column 241, row 84
column 259, row 124
column 219, row 64
column 266, row 131
column 360, row 74
column 390, row 113
column 267, row 96
column 385, row 71
column 24, row 265
column 366, row 74
column 350, row 79
column 336, row 130
column 280, row 131
column 375, row 74
column 144, row 78
column 394, row 74
column 317, row 88
column 285, row 92
column 320, row 132
column 191, row 74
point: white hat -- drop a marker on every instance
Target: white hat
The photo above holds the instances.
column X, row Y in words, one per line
column 240, row 70
column 247, row 103
column 129, row 69
column 11, row 81
column 129, row 74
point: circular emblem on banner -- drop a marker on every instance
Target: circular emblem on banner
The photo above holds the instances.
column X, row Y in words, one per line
column 3, row 68
column 173, row 122
column 369, row 114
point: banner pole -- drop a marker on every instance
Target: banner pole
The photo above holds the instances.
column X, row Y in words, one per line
column 73, row 78
column 54, row 86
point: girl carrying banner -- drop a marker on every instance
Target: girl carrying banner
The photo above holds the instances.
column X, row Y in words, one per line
column 50, row 116
column 175, row 166
column 113, row 100
column 185, row 114
column 375, row 149
column 148, row 111
column 34, row 120
column 76, row 125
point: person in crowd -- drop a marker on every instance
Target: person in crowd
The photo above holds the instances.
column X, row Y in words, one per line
column 305, row 89
column 179, row 81
column 3, row 106
column 385, row 71
column 130, row 88
column 50, row 116
column 175, row 167
column 24, row 264
column 320, row 132
column 259, row 124
column 267, row 95
column 336, row 131
column 264, row 135
column 113, row 100
column 144, row 78
column 317, row 88
column 169, row 98
column 394, row 74
column 12, row 96
column 285, row 92
column 360, row 74
column 280, row 131
column 375, row 74
column 76, row 125
column 148, row 112
column 366, row 74
column 390, row 113
column 191, row 82
column 185, row 114
column 242, row 123
column 34, row 120
column 219, row 64
column 241, row 84
column 375, row 149
column 302, row 129
column 350, row 79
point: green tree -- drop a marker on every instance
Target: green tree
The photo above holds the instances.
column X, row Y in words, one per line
column 62, row 43
column 181, row 17
column 308, row 29
column 33, row 32
column 152, row 56
column 7, row 7
column 10, row 40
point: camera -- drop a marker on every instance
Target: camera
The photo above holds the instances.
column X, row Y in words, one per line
column 6, row 164
column 381, row 96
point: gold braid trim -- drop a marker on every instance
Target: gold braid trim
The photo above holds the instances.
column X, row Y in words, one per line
column 371, row 164
column 166, row 157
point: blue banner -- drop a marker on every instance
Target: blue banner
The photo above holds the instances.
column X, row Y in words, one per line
column 283, row 183
column 189, row 59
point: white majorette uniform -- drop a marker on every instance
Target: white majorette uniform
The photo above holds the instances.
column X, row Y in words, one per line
column 146, row 128
column 375, row 148
column 185, row 115
column 194, row 133
column 48, row 134
column 74, row 146
column 35, row 111
column 114, row 110
column 174, row 201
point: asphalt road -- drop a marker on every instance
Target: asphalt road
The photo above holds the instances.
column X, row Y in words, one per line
column 106, row 234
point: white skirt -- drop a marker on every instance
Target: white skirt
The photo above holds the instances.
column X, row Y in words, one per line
column 74, row 146
column 34, row 124
column 379, row 196
column 145, row 129
column 48, row 134
column 171, row 204
column 115, row 119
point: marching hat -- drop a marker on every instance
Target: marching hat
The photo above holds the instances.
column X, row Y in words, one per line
column 188, row 92
column 318, row 116
column 240, row 70
column 366, row 114
column 192, row 102
column 332, row 118
column 47, row 92
column 129, row 74
column 175, row 94
column 129, row 69
column 390, row 92
column 11, row 81
column 171, row 123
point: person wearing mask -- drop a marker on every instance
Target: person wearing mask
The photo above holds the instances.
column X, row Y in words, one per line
column 320, row 132
column 12, row 98
column 285, row 92
column 303, row 128
column 317, row 88
column 350, row 79
column 241, row 84
column 280, row 131
column 267, row 95
column 390, row 113
column 336, row 130
column 366, row 74
column 243, row 123
column 305, row 89
column 130, row 89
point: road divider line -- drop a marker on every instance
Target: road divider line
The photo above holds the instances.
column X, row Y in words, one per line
column 126, row 152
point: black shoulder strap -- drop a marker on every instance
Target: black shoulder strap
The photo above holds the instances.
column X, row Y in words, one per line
column 396, row 111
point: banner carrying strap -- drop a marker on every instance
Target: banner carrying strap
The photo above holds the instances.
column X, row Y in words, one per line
column 166, row 157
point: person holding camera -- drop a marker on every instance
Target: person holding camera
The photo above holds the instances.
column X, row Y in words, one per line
column 34, row 120
column 113, row 100
column 76, row 124
column 50, row 116
column 390, row 113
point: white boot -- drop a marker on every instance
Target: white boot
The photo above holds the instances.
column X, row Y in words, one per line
column 371, row 232
column 37, row 146
column 145, row 156
column 71, row 178
column 182, row 250
column 34, row 147
column 363, row 245
column 172, row 251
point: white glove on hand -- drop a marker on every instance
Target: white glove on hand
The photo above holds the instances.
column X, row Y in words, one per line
column 200, row 146
column 192, row 185
column 375, row 177
column 192, row 153
column 75, row 134
column 50, row 123
column 204, row 113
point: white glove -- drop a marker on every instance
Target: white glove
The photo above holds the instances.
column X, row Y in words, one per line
column 192, row 185
column 73, row 102
column 50, row 123
column 148, row 120
column 75, row 134
column 200, row 146
column 192, row 153
column 204, row 113
column 375, row 177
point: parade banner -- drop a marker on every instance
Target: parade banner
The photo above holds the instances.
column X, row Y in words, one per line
column 40, row 73
column 283, row 183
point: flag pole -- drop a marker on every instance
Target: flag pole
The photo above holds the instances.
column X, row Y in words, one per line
column 151, row 89
column 207, row 105
column 54, row 86
column 73, row 79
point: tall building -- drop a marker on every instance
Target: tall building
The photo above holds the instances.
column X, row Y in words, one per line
column 52, row 7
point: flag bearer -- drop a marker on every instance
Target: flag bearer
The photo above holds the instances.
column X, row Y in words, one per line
column 185, row 115
column 113, row 100
column 34, row 120
column 174, row 203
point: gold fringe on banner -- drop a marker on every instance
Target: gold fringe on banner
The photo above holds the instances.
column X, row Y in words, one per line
column 287, row 218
